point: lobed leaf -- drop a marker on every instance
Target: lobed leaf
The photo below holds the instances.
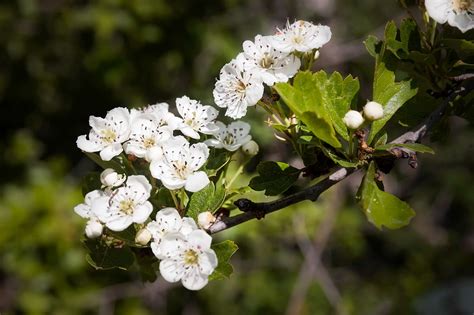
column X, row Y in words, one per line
column 224, row 252
column 274, row 177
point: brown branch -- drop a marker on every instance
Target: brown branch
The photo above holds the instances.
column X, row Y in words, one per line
column 258, row 210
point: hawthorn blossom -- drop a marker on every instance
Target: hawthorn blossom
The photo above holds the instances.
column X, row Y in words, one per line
column 238, row 87
column 251, row 148
column 373, row 111
column 107, row 134
column 180, row 164
column 353, row 119
column 271, row 64
column 188, row 259
column 196, row 117
column 110, row 178
column 161, row 113
column 458, row 13
column 167, row 221
column 301, row 36
column 127, row 204
column 93, row 227
column 230, row 137
column 145, row 135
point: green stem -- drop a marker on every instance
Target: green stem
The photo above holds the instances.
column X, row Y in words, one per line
column 175, row 200
column 433, row 33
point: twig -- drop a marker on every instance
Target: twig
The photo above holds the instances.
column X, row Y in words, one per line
column 254, row 210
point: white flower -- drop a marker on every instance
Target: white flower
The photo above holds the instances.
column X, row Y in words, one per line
column 373, row 111
column 271, row 64
column 110, row 178
column 196, row 117
column 128, row 204
column 206, row 219
column 107, row 134
column 180, row 164
column 145, row 135
column 301, row 36
column 458, row 13
column 161, row 113
column 94, row 228
column 353, row 119
column 230, row 137
column 143, row 236
column 250, row 148
column 188, row 258
column 238, row 87
column 167, row 221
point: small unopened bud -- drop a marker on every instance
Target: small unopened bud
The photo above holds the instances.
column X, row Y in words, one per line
column 154, row 153
column 251, row 148
column 93, row 228
column 206, row 219
column 316, row 55
column 353, row 119
column 110, row 178
column 373, row 111
column 143, row 237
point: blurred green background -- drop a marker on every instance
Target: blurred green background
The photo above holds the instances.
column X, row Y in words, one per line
column 63, row 60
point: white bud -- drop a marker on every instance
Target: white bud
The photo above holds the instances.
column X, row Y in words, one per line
column 250, row 148
column 316, row 55
column 143, row 237
column 93, row 228
column 154, row 153
column 110, row 178
column 353, row 119
column 206, row 219
column 373, row 111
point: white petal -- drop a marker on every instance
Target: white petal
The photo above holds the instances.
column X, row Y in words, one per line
column 99, row 208
column 142, row 212
column 213, row 143
column 110, row 151
column 464, row 21
column 93, row 229
column 171, row 271
column 173, row 183
column 196, row 181
column 119, row 223
column 140, row 183
column 188, row 225
column 207, row 262
column 156, row 249
column 438, row 10
column 189, row 132
column 193, row 280
column 87, row 145
column 168, row 220
column 83, row 210
column 199, row 239
column 173, row 244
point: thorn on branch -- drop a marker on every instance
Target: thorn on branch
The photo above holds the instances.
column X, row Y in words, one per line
column 246, row 205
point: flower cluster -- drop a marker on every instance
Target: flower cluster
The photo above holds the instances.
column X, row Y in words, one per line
column 159, row 150
column 266, row 60
column 458, row 13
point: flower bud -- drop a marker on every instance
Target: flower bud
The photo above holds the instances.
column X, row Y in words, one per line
column 110, row 178
column 316, row 54
column 353, row 119
column 250, row 148
column 143, row 237
column 206, row 219
column 373, row 111
column 154, row 153
column 93, row 228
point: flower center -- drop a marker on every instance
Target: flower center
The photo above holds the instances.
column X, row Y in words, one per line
column 266, row 61
column 108, row 135
column 181, row 169
column 191, row 121
column 462, row 5
column 148, row 142
column 190, row 257
column 126, row 206
column 240, row 87
column 229, row 139
column 298, row 39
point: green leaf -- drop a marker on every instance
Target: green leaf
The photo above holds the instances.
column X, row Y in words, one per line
column 305, row 100
column 217, row 160
column 380, row 207
column 336, row 159
column 463, row 47
column 207, row 199
column 381, row 140
column 91, row 182
column 390, row 94
column 391, row 41
column 100, row 256
column 105, row 164
column 274, row 177
column 417, row 147
column 224, row 251
column 147, row 264
column 371, row 44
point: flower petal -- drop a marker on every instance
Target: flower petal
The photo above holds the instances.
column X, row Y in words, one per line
column 171, row 271
column 119, row 222
column 142, row 212
column 87, row 145
column 110, row 151
column 438, row 10
column 194, row 280
column 196, row 181
column 199, row 239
